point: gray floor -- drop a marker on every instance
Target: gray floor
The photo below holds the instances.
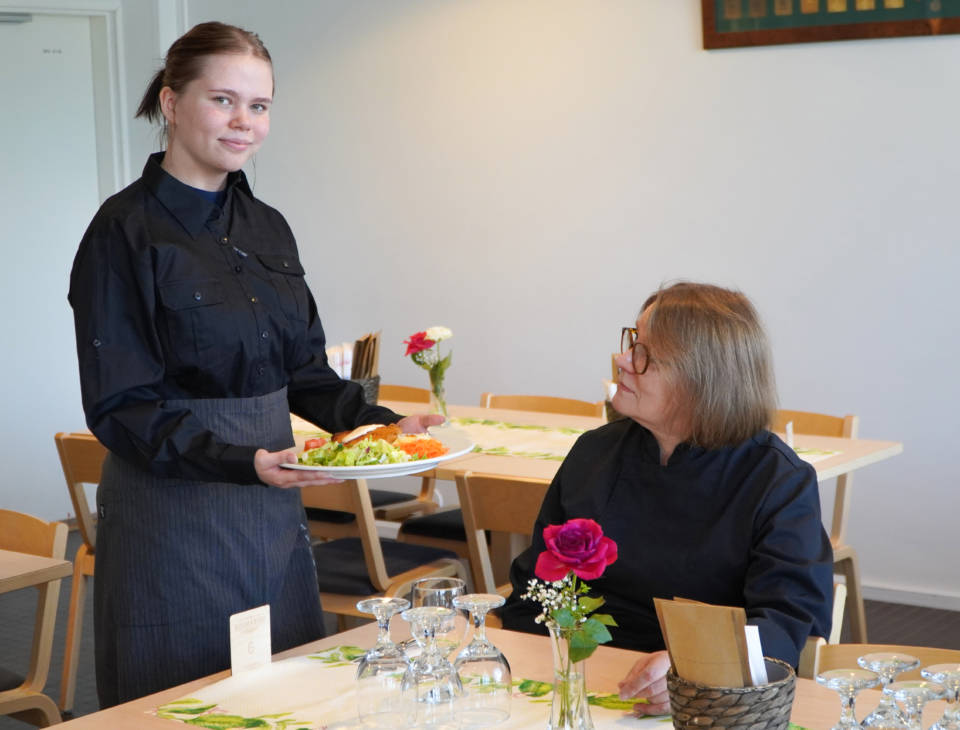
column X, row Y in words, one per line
column 888, row 623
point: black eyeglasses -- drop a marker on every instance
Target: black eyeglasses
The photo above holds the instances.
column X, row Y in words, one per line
column 640, row 357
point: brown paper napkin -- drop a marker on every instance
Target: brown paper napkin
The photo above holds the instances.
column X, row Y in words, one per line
column 706, row 643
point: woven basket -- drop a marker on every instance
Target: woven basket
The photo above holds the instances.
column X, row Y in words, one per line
column 765, row 707
column 371, row 388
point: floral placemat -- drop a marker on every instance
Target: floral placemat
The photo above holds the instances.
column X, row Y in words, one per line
column 500, row 438
column 287, row 695
column 812, row 456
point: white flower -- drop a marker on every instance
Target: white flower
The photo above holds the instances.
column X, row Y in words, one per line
column 438, row 334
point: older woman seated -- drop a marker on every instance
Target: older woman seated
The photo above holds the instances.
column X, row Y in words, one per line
column 703, row 501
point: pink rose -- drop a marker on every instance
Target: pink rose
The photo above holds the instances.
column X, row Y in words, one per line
column 577, row 545
column 418, row 341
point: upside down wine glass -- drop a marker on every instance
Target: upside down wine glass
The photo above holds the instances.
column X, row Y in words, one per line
column 440, row 591
column 430, row 683
column 380, row 673
column 847, row 683
column 913, row 694
column 887, row 665
column 483, row 669
column 948, row 676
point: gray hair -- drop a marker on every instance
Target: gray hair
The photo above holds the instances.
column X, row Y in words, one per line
column 713, row 351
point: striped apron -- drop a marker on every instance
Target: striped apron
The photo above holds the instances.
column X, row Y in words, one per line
column 175, row 558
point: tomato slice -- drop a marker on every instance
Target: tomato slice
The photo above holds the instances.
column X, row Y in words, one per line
column 315, row 443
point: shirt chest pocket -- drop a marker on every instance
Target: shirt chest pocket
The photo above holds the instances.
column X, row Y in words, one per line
column 194, row 314
column 287, row 277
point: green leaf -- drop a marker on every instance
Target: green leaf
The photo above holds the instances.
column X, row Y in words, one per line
column 590, row 605
column 564, row 617
column 611, row 702
column 533, row 688
column 581, row 646
column 226, row 722
column 596, row 631
column 605, row 618
column 193, row 710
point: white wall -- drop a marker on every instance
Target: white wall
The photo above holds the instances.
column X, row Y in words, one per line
column 527, row 171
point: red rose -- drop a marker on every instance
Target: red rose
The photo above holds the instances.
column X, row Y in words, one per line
column 418, row 341
column 577, row 545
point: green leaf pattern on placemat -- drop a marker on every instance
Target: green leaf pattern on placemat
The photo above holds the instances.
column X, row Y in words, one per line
column 194, row 712
column 338, row 656
column 517, row 426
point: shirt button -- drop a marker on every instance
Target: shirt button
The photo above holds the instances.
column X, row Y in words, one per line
column 238, row 269
column 286, row 265
column 260, row 370
column 197, row 295
column 253, row 300
column 225, row 239
column 264, row 334
column 96, row 342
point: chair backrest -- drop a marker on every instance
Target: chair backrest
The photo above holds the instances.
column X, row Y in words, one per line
column 28, row 534
column 352, row 496
column 405, row 393
column 543, row 404
column 81, row 457
column 844, row 656
column 821, row 424
column 501, row 504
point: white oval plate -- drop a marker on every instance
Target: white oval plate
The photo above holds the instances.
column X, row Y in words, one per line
column 456, row 441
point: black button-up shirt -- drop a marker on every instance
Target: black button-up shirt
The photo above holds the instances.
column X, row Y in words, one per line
column 175, row 297
column 734, row 526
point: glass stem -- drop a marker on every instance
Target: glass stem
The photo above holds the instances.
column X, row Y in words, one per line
column 479, row 624
column 846, row 708
column 383, row 628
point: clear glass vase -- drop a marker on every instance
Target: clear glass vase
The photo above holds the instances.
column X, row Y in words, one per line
column 438, row 399
column 569, row 709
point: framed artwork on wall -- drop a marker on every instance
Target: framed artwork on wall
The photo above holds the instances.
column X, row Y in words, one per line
column 730, row 23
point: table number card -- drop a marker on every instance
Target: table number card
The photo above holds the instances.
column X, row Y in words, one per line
column 250, row 639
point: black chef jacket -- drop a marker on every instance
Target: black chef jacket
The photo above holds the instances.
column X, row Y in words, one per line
column 175, row 297
column 736, row 526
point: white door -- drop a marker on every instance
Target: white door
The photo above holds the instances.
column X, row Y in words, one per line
column 48, row 193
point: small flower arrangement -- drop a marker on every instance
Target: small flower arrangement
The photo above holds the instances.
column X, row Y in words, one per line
column 424, row 349
column 576, row 551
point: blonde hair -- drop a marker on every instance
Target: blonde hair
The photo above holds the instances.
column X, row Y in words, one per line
column 713, row 350
column 187, row 55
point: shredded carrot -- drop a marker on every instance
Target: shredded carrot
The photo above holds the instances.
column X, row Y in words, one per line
column 421, row 448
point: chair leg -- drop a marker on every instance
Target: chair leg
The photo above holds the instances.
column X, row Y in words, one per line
column 850, row 569
column 71, row 654
column 42, row 712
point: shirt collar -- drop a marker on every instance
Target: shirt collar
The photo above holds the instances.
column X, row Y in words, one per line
column 649, row 449
column 191, row 210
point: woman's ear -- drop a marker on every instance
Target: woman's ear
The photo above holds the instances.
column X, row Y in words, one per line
column 168, row 103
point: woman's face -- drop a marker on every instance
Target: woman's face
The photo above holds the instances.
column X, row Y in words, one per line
column 647, row 398
column 219, row 120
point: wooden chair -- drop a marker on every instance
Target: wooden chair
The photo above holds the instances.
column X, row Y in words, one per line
column 81, row 457
column 353, row 568
column 845, row 560
column 405, row 393
column 543, row 404
column 25, row 699
column 500, row 504
column 844, row 656
column 808, row 655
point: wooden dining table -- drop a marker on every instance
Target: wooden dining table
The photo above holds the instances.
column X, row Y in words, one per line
column 850, row 454
column 814, row 707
